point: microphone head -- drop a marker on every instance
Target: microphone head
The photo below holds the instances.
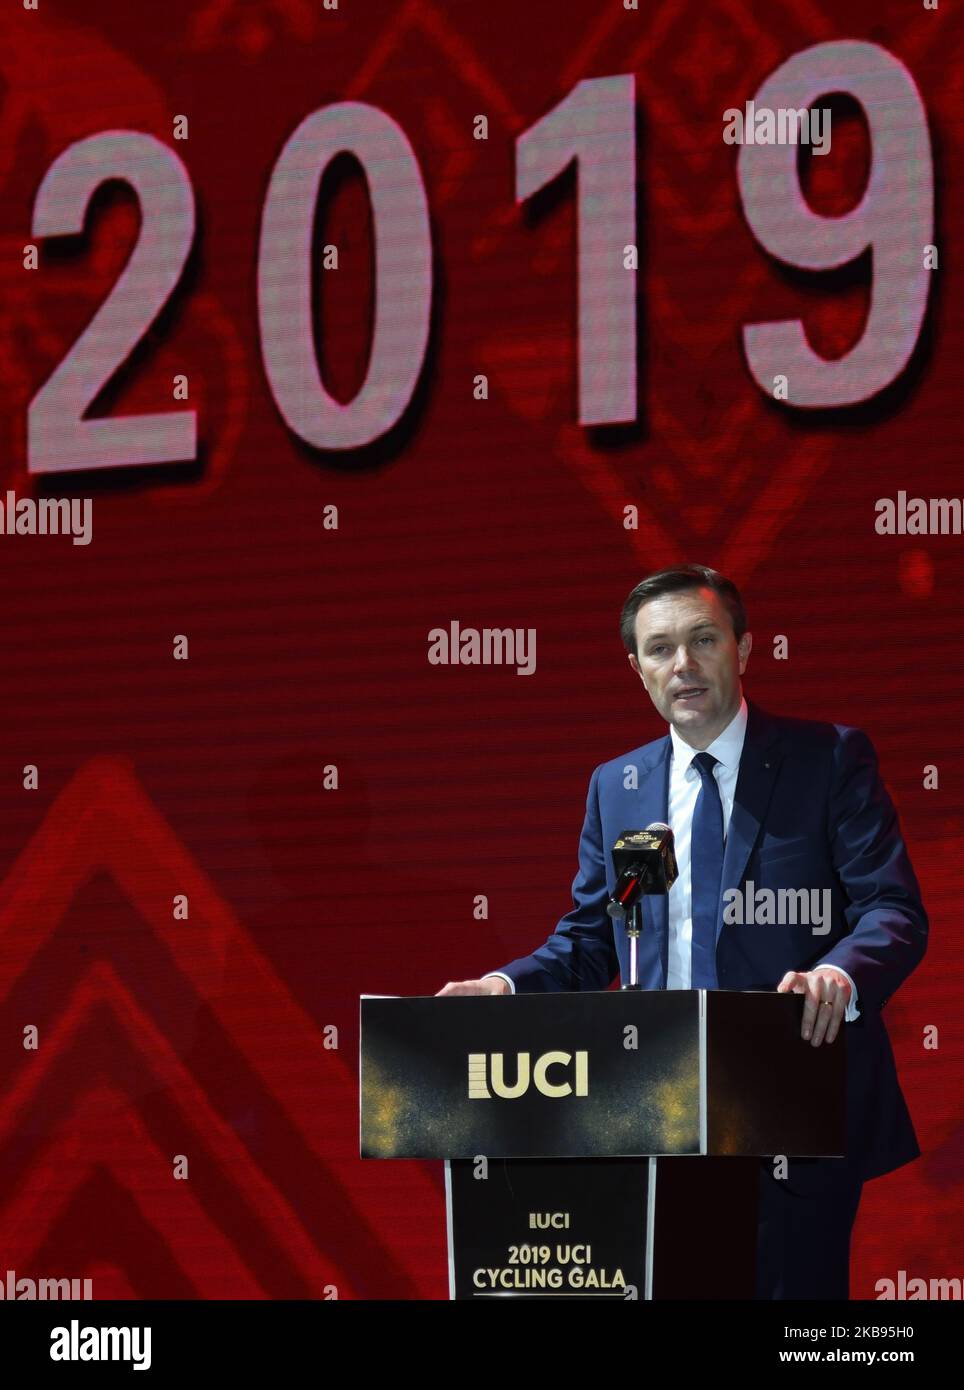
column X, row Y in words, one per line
column 653, row 839
column 650, row 853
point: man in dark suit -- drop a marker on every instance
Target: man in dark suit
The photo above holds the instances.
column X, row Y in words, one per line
column 779, row 804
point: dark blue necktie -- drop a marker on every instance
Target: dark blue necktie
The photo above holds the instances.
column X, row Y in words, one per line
column 706, row 872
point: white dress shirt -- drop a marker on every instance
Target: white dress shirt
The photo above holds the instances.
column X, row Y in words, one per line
column 684, row 788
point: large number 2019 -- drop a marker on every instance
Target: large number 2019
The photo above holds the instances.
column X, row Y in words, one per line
column 595, row 126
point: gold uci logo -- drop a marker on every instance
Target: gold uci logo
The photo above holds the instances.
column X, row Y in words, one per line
column 488, row 1071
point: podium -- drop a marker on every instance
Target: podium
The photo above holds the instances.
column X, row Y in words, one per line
column 599, row 1144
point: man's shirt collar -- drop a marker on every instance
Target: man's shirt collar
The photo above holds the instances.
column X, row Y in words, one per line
column 727, row 747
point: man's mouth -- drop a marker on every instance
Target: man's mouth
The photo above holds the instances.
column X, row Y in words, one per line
column 690, row 692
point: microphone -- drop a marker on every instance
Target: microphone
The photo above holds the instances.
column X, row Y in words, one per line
column 645, row 862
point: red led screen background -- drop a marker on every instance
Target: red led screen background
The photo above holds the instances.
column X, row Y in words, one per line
column 159, row 778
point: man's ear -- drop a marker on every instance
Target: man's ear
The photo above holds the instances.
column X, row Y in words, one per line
column 635, row 665
column 743, row 647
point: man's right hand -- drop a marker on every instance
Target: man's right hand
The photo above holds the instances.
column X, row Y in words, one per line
column 492, row 985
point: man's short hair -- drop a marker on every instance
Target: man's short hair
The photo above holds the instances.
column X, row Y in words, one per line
column 675, row 580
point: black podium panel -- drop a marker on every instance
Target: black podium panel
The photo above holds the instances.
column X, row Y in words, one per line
column 767, row 1090
column 547, row 1228
column 705, row 1228
column 548, row 1075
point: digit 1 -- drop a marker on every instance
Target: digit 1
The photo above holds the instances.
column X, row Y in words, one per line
column 595, row 125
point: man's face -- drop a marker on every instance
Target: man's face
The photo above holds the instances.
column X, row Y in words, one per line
column 690, row 662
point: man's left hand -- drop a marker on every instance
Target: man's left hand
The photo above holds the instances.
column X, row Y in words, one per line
column 827, row 996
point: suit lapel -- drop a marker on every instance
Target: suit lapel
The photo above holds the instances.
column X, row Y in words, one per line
column 759, row 762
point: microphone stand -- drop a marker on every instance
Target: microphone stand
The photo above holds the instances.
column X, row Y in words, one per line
column 634, row 926
column 644, row 864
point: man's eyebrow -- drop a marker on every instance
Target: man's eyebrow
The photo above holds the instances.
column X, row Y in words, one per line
column 697, row 627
